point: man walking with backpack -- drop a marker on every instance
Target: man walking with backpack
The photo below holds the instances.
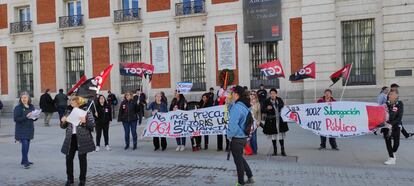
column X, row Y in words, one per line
column 240, row 122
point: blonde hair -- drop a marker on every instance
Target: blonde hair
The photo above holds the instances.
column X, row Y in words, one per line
column 79, row 100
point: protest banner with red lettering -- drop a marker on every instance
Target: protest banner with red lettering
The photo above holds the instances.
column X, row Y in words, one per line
column 136, row 69
column 272, row 69
column 336, row 119
column 180, row 123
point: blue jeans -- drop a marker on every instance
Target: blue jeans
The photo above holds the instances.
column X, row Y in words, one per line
column 61, row 110
column 25, row 151
column 130, row 126
column 253, row 142
column 180, row 141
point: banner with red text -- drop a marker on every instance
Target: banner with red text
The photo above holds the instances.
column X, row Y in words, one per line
column 180, row 123
column 336, row 119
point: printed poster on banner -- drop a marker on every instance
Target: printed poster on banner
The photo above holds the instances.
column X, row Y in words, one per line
column 336, row 119
column 199, row 122
column 184, row 87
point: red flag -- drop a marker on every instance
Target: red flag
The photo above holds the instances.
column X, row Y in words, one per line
column 100, row 79
column 272, row 69
column 136, row 69
column 308, row 71
column 79, row 83
column 342, row 73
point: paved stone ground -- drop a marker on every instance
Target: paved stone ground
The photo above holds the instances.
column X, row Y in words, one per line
column 359, row 162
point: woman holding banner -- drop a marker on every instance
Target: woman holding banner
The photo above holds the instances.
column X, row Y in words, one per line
column 179, row 103
column 327, row 98
column 205, row 102
column 158, row 106
column 275, row 128
column 392, row 131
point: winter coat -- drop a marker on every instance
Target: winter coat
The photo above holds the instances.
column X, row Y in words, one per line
column 128, row 111
column 181, row 104
column 395, row 112
column 1, row 105
column 46, row 103
column 262, row 95
column 61, row 100
column 270, row 121
column 112, row 100
column 160, row 107
column 104, row 114
column 83, row 134
column 206, row 105
column 24, row 126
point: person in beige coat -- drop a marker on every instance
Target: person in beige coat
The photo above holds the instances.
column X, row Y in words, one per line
column 257, row 116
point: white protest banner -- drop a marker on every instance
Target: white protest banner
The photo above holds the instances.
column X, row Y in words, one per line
column 336, row 119
column 200, row 122
column 184, row 87
column 159, row 55
column 226, row 51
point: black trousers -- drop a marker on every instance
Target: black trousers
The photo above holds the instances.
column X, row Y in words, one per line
column 220, row 142
column 99, row 129
column 196, row 141
column 140, row 113
column 236, row 147
column 83, row 164
column 332, row 142
column 156, row 142
column 395, row 136
column 205, row 140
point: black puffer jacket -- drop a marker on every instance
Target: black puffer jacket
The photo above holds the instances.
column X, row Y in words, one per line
column 83, row 134
column 128, row 111
column 395, row 112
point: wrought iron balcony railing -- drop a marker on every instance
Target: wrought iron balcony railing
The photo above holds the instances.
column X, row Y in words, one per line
column 126, row 15
column 190, row 8
column 70, row 21
column 20, row 27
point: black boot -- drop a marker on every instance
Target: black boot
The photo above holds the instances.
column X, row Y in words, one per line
column 126, row 147
column 282, row 147
column 81, row 183
column 69, row 183
column 274, row 148
column 135, row 147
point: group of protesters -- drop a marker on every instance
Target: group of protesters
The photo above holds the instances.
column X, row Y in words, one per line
column 264, row 106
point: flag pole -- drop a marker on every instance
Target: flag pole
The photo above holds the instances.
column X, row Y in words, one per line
column 314, row 83
column 346, row 83
column 286, row 92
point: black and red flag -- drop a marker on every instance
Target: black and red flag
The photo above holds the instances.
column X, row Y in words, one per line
column 308, row 71
column 341, row 73
column 77, row 85
column 88, row 88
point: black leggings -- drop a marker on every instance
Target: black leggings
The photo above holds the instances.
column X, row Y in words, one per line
column 99, row 129
column 395, row 136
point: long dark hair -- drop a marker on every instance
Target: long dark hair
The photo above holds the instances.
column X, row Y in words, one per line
column 98, row 103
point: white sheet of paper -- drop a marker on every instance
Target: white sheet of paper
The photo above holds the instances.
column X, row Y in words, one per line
column 35, row 114
column 75, row 116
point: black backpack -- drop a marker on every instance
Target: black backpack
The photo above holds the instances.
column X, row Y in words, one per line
column 248, row 124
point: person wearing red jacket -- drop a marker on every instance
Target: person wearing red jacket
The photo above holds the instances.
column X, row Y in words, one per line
column 332, row 141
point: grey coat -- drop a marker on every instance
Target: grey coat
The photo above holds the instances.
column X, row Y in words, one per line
column 83, row 134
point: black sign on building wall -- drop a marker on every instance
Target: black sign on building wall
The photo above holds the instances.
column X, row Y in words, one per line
column 262, row 20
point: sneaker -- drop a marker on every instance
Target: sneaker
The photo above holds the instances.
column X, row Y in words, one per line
column 108, row 148
column 178, row 148
column 27, row 166
column 97, row 149
column 322, row 148
column 390, row 161
column 238, row 184
column 250, row 180
column 182, row 148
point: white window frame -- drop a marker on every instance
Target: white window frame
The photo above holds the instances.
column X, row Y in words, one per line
column 75, row 5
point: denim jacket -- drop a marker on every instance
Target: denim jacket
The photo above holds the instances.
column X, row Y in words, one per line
column 237, row 121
